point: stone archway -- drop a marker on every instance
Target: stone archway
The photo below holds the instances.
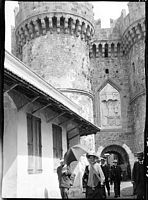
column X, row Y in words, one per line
column 119, row 153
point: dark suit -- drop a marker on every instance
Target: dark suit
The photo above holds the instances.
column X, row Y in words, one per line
column 138, row 178
column 116, row 178
column 106, row 171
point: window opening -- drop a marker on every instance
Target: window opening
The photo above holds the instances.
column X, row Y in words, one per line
column 106, row 50
column 34, row 144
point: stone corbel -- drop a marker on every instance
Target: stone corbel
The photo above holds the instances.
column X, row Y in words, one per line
column 22, row 34
column 87, row 33
column 109, row 49
column 73, row 23
column 129, row 40
column 26, row 32
column 83, row 28
column 66, row 26
column 30, row 27
column 36, row 27
column 43, row 26
column 19, row 38
column 58, row 24
column 133, row 34
column 143, row 28
column 50, row 25
column 138, row 33
column 78, row 30
column 97, row 52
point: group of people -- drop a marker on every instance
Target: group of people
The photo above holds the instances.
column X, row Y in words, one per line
column 98, row 176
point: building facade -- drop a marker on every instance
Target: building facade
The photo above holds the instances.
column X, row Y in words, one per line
column 100, row 69
column 40, row 124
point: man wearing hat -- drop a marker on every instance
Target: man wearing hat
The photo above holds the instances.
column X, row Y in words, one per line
column 116, row 177
column 138, row 176
column 64, row 177
column 93, row 178
column 106, row 171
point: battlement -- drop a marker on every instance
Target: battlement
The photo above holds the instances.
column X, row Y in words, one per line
column 33, row 19
column 36, row 18
column 136, row 13
column 127, row 29
column 105, row 49
column 29, row 9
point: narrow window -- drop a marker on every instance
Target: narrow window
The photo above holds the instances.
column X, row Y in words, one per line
column 133, row 65
column 62, row 21
column 57, row 141
column 100, row 49
column 94, row 50
column 118, row 48
column 54, row 22
column 34, row 144
column 107, row 71
column 106, row 50
column 112, row 49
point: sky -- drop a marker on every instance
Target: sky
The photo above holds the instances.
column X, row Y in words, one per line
column 105, row 10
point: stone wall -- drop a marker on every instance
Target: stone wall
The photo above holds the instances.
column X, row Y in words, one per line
column 137, row 68
column 62, row 60
column 123, row 69
column 29, row 9
column 57, row 41
column 115, row 72
column 52, row 39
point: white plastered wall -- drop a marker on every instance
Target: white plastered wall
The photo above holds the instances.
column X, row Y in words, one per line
column 9, row 182
column 41, row 185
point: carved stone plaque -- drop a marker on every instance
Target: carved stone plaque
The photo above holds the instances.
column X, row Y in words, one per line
column 110, row 109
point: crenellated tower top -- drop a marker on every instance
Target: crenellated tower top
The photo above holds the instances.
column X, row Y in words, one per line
column 36, row 18
column 123, row 33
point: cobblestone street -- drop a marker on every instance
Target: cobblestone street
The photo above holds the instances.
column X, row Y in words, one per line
column 126, row 192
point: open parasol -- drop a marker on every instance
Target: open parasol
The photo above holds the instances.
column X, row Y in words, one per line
column 74, row 153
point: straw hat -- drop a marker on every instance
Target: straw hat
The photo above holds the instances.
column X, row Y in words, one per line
column 92, row 153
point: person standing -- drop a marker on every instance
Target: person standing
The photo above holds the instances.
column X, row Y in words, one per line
column 138, row 176
column 106, row 171
column 116, row 177
column 93, row 178
column 64, row 177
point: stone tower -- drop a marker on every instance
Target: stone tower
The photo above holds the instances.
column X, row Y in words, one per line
column 117, row 56
column 101, row 69
column 53, row 38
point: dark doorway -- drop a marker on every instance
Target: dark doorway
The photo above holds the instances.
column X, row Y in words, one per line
column 117, row 152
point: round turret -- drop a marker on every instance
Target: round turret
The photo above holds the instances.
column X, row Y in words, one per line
column 52, row 38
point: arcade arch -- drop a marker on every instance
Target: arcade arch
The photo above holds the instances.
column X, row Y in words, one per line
column 119, row 153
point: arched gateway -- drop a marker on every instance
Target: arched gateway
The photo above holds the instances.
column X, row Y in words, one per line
column 119, row 153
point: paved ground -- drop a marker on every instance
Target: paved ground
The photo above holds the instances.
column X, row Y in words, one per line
column 126, row 192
